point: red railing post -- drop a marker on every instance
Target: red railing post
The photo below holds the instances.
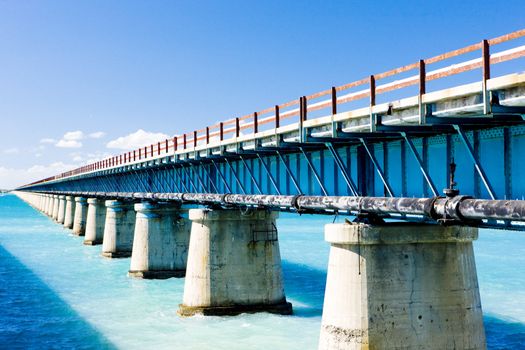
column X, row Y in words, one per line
column 422, row 90
column 166, row 146
column 184, row 141
column 255, row 123
column 334, row 101
column 237, row 127
column 194, row 139
column 372, row 103
column 305, row 108
column 207, row 135
column 221, row 131
column 175, row 143
column 485, row 66
column 158, row 148
column 277, row 117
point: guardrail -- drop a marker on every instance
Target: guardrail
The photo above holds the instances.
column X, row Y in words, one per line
column 302, row 106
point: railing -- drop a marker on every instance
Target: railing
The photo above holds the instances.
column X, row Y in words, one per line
column 302, row 106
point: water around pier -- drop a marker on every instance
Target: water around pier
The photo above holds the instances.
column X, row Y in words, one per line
column 57, row 293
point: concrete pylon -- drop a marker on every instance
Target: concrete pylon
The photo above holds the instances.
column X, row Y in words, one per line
column 79, row 220
column 69, row 215
column 56, row 206
column 401, row 286
column 50, row 205
column 46, row 204
column 234, row 264
column 96, row 218
column 61, row 209
column 160, row 242
column 118, row 229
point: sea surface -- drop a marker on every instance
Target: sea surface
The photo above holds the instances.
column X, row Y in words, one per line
column 56, row 293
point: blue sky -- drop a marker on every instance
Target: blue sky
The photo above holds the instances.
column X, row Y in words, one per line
column 77, row 75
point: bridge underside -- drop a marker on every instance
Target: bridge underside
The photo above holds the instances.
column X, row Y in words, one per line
column 402, row 149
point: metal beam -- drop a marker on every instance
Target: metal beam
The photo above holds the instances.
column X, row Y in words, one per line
column 476, row 162
column 456, row 210
column 378, row 168
column 420, row 163
column 342, row 169
column 309, row 162
column 289, row 172
column 272, row 180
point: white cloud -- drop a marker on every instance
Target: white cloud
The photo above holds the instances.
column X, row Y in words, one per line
column 11, row 151
column 13, row 177
column 97, row 135
column 69, row 144
column 137, row 139
column 73, row 135
column 95, row 157
column 71, row 139
column 48, row 140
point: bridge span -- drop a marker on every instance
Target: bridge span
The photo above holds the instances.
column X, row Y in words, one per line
column 381, row 150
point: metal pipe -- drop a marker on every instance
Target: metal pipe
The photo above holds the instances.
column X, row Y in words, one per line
column 453, row 210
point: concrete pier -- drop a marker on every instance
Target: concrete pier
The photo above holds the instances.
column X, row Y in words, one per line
column 118, row 229
column 61, row 209
column 79, row 220
column 234, row 264
column 69, row 215
column 56, row 206
column 401, row 286
column 161, row 238
column 49, row 205
column 46, row 204
column 96, row 218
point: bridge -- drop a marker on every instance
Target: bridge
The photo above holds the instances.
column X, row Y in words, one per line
column 204, row 204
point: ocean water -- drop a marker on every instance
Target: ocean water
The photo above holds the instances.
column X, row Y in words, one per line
column 57, row 293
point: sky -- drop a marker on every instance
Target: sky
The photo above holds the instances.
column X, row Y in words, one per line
column 81, row 80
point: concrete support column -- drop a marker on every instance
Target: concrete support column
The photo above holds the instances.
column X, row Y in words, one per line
column 96, row 218
column 401, row 286
column 69, row 214
column 61, row 209
column 43, row 203
column 79, row 220
column 160, row 243
column 56, row 205
column 118, row 229
column 49, row 205
column 234, row 264
column 39, row 200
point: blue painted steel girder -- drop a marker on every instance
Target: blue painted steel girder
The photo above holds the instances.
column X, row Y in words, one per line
column 487, row 162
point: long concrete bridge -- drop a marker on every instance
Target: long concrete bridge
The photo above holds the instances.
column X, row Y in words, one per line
column 204, row 204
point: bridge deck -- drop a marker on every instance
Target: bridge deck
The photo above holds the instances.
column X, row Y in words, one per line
column 328, row 144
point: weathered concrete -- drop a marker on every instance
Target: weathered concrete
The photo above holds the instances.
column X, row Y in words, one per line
column 160, row 243
column 61, row 209
column 234, row 264
column 69, row 215
column 118, row 229
column 50, row 205
column 47, row 209
column 401, row 286
column 96, row 218
column 79, row 221
column 45, row 204
column 56, row 206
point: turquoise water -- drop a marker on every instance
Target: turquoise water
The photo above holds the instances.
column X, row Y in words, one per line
column 57, row 293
